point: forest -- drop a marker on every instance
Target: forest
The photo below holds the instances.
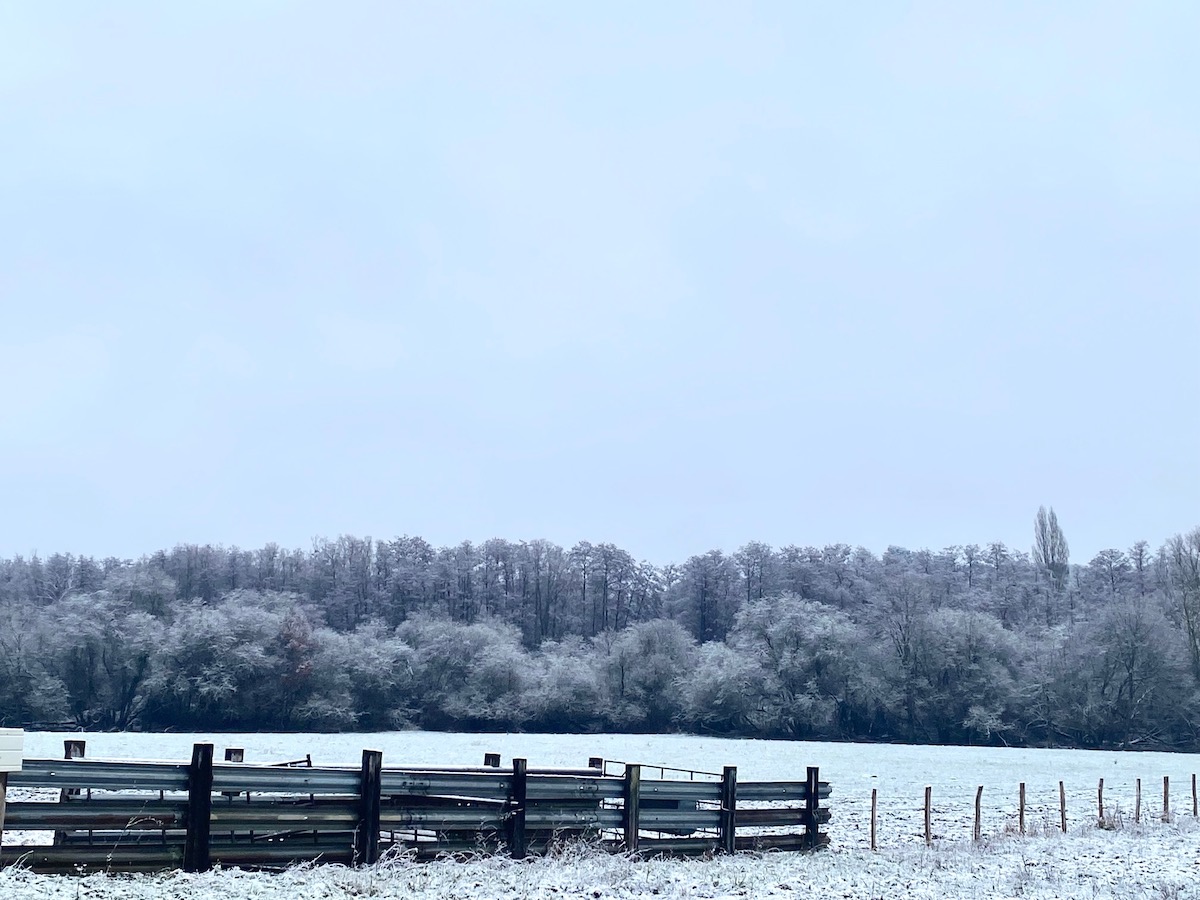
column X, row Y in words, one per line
column 969, row 644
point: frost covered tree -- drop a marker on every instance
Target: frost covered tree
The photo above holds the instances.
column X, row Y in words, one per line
column 1050, row 550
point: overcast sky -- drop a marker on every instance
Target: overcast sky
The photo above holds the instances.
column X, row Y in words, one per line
column 675, row 276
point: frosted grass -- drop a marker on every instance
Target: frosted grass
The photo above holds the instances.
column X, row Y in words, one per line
column 1154, row 859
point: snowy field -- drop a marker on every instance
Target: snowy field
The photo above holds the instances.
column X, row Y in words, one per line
column 1152, row 859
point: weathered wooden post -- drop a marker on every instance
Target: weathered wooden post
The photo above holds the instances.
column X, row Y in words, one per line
column 1195, row 804
column 196, row 845
column 72, row 749
column 235, row 755
column 1021, row 809
column 633, row 792
column 812, row 803
column 1100, row 801
column 1166, row 798
column 978, row 811
column 516, row 820
column 1137, row 802
column 12, row 748
column 728, row 825
column 1062, row 806
column 366, row 835
column 928, row 815
column 874, row 809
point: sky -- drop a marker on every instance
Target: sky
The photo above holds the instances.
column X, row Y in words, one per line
column 677, row 276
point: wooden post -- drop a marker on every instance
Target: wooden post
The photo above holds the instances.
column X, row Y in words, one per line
column 516, row 819
column 1137, row 803
column 1166, row 798
column 491, row 760
column 1195, row 805
column 198, row 819
column 72, row 749
column 978, row 811
column 928, row 815
column 237, row 755
column 728, row 825
column 365, row 851
column 1100, row 801
column 633, row 791
column 1021, row 809
column 874, row 809
column 812, row 803
column 1062, row 806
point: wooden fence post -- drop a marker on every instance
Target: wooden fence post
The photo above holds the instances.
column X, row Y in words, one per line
column 196, row 846
column 365, row 851
column 1137, row 803
column 1062, row 806
column 236, row 755
column 633, row 792
column 516, row 820
column 1021, row 808
column 1100, row 801
column 812, row 803
column 874, row 809
column 978, row 811
column 1195, row 805
column 928, row 815
column 1166, row 798
column 728, row 826
column 72, row 749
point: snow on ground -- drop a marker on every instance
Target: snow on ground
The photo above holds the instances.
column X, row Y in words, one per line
column 1152, row 859
column 1160, row 861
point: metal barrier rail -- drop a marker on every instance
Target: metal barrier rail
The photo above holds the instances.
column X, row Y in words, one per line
column 140, row 816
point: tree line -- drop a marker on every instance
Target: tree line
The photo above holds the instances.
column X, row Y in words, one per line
column 969, row 644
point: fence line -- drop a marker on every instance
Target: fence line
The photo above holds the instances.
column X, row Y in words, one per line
column 141, row 815
column 1102, row 821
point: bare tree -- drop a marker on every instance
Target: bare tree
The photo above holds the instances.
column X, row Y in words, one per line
column 1183, row 560
column 1050, row 550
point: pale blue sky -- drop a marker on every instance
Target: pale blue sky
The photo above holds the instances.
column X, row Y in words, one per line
column 675, row 276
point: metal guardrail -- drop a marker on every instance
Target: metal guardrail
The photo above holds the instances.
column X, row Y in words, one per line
column 100, row 775
column 141, row 816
